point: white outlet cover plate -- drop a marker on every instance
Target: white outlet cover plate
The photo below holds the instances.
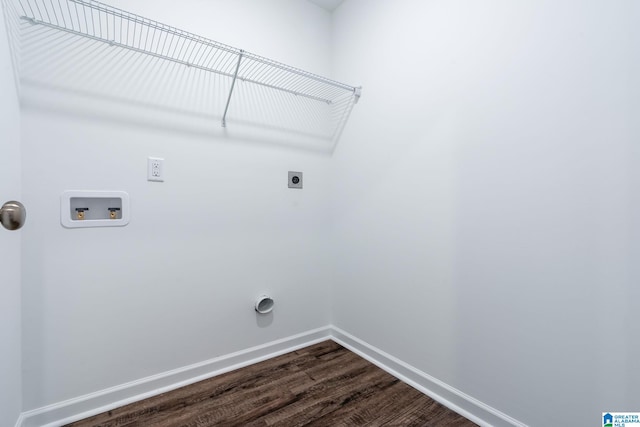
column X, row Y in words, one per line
column 65, row 209
column 155, row 169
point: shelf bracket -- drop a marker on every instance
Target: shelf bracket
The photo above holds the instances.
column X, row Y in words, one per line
column 357, row 91
column 233, row 83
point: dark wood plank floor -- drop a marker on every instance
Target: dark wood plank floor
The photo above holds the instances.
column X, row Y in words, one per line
column 321, row 385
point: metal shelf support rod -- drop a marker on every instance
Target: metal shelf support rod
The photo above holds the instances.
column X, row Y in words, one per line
column 233, row 83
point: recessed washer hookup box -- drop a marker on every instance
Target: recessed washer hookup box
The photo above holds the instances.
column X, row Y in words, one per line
column 84, row 209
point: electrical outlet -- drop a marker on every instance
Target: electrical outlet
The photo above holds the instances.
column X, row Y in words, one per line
column 295, row 179
column 155, row 169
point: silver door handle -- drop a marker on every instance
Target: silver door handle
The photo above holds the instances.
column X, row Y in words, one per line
column 13, row 215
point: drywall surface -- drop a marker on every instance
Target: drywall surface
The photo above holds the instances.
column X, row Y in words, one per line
column 105, row 306
column 10, row 241
column 487, row 198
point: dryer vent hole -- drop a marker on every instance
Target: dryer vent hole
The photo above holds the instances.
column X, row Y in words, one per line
column 264, row 305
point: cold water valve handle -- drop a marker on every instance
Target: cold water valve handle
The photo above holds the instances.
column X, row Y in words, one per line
column 13, row 215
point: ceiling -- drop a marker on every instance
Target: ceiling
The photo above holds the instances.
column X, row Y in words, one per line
column 328, row 5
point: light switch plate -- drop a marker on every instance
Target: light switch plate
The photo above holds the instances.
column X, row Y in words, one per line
column 295, row 179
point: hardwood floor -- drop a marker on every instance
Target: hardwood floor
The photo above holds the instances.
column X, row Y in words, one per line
column 321, row 385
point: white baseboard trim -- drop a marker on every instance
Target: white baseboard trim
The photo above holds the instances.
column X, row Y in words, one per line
column 61, row 413
column 465, row 405
column 91, row 404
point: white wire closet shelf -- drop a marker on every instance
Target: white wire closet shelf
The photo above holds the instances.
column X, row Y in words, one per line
column 115, row 27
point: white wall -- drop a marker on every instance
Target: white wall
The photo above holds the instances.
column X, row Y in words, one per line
column 177, row 285
column 487, row 198
column 482, row 225
column 10, row 241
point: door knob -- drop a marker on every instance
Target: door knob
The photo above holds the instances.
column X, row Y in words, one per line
column 12, row 215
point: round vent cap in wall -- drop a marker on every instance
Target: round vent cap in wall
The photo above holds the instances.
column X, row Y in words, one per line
column 264, row 304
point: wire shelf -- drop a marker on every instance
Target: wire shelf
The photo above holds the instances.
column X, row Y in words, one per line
column 116, row 27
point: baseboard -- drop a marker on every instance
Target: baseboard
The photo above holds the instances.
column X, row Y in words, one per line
column 450, row 397
column 91, row 404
